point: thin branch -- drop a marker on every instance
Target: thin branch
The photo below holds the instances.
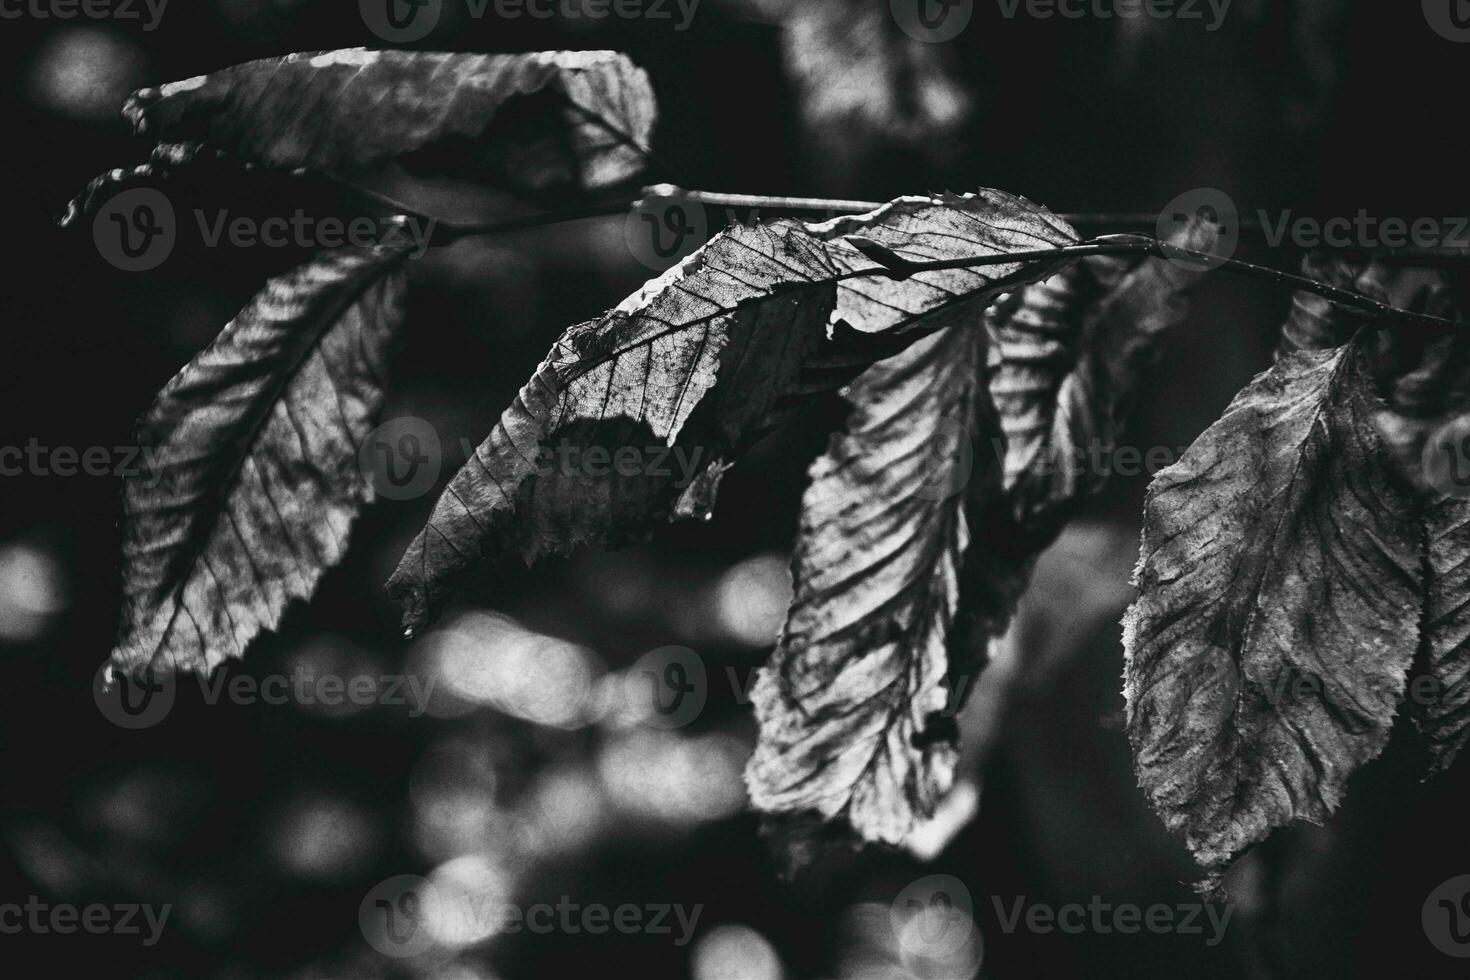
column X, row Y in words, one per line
column 898, row 267
column 449, row 229
column 757, row 201
column 1118, row 221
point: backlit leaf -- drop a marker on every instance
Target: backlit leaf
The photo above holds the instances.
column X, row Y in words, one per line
column 687, row 372
column 857, row 707
column 846, row 705
column 252, row 478
column 1069, row 355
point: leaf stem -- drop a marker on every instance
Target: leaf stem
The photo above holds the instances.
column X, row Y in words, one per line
column 1111, row 221
column 667, row 194
column 897, row 266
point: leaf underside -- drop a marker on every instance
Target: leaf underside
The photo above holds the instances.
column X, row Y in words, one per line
column 1281, row 583
column 1426, row 380
column 703, row 360
column 1066, row 357
column 166, row 158
column 855, row 709
column 845, row 705
column 252, row 478
column 531, row 122
column 1299, row 567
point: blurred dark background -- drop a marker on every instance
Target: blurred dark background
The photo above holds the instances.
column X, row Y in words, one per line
column 264, row 826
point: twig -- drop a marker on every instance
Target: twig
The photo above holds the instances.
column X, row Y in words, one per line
column 897, row 266
column 448, row 230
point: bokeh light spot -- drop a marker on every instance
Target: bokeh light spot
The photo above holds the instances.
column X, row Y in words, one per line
column 86, row 73
column 751, row 599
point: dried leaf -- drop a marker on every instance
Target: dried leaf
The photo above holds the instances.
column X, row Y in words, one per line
column 1281, row 582
column 1068, row 358
column 700, row 363
column 1424, row 377
column 857, row 706
column 846, row 704
column 166, row 158
column 581, row 119
column 1443, row 717
column 253, row 478
column 1317, row 323
column 1426, row 381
